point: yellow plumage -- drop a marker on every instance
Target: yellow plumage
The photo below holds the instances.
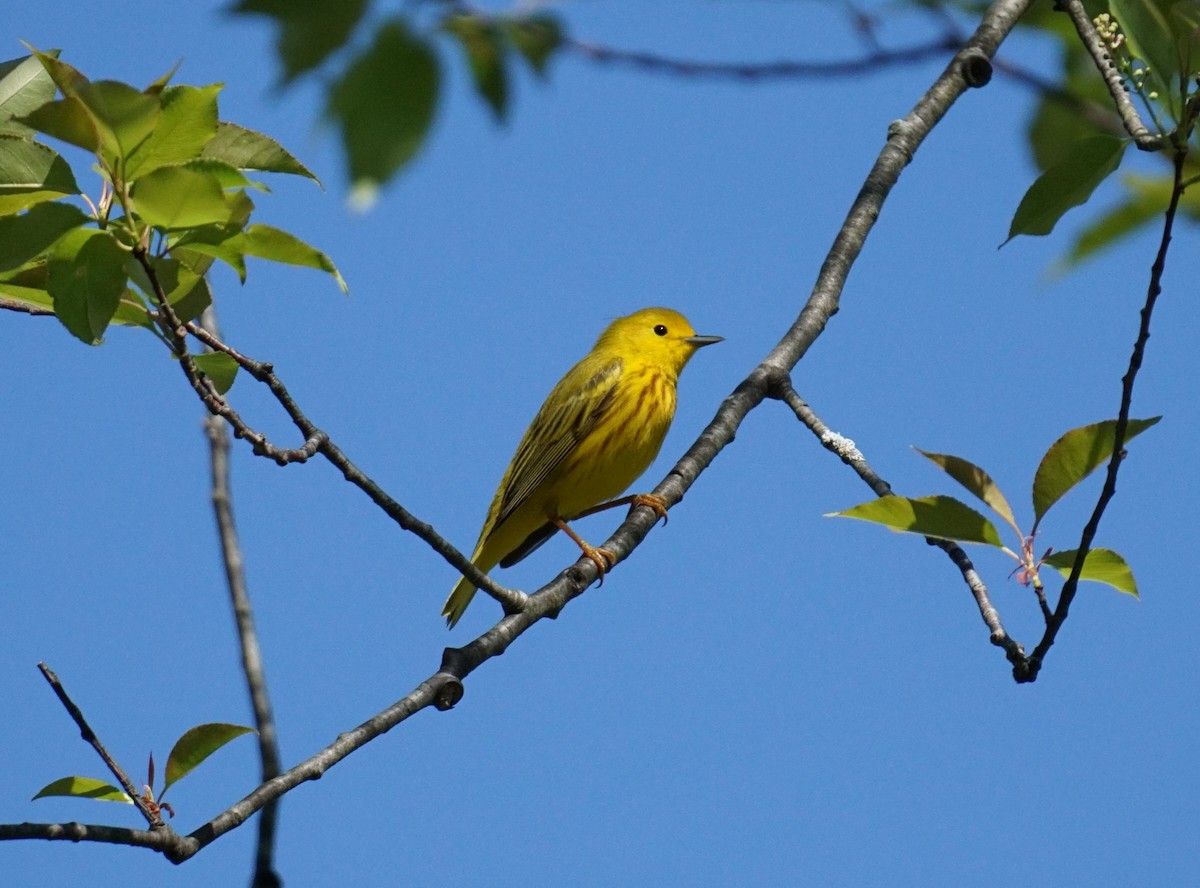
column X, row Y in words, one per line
column 598, row 430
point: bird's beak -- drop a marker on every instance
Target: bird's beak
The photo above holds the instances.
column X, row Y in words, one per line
column 703, row 340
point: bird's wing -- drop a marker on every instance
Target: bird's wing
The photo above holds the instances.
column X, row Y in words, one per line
column 557, row 430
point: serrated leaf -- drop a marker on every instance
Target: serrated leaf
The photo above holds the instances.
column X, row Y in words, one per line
column 276, row 245
column 1076, row 455
column 486, row 51
column 1150, row 38
column 84, row 788
column 24, row 85
column 384, row 104
column 179, row 197
column 36, row 297
column 86, row 278
column 27, row 166
column 31, row 234
column 941, row 517
column 1100, row 566
column 1068, row 183
column 537, row 38
column 218, row 367
column 309, row 30
column 245, row 149
column 976, row 480
column 196, row 745
column 187, row 123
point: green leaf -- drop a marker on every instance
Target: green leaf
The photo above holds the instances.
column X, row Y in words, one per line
column 36, row 297
column 536, row 37
column 486, row 51
column 1068, row 183
column 66, row 119
column 31, row 234
column 125, row 117
column 1150, row 38
column 384, row 105
column 276, row 245
column 187, row 123
column 184, row 287
column 29, row 165
column 84, row 788
column 218, row 367
column 975, row 480
column 1099, row 565
column 24, row 85
column 179, row 197
column 132, row 311
column 309, row 30
column 247, row 150
column 1076, row 455
column 941, row 517
column 196, row 745
column 1145, row 201
column 86, row 278
column 65, row 77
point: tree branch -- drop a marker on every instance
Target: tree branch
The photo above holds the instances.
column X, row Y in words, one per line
column 853, row 457
column 1067, row 595
column 89, row 736
column 243, row 617
column 1141, row 135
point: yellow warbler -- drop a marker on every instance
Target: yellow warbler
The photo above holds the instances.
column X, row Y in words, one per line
column 599, row 429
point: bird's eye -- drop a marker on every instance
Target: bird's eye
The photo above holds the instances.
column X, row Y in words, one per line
column 660, row 330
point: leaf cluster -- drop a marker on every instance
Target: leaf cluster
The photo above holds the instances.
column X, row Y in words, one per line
column 173, row 198
column 1069, row 460
column 384, row 94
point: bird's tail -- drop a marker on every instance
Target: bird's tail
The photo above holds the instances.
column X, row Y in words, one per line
column 464, row 591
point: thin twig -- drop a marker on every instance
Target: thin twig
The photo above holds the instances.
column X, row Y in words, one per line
column 869, row 63
column 1140, row 133
column 1067, row 595
column 243, row 616
column 853, row 457
column 89, row 736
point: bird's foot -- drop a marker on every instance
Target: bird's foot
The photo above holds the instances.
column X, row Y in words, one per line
column 650, row 501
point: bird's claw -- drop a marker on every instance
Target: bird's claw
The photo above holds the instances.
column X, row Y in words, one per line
column 650, row 501
column 602, row 558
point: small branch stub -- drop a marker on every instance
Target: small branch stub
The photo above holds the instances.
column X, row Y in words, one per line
column 448, row 694
column 976, row 68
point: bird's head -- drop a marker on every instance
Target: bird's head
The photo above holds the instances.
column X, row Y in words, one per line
column 658, row 336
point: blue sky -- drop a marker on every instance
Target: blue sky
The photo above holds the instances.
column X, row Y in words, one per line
column 760, row 695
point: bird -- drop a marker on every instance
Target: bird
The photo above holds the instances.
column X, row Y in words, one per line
column 600, row 427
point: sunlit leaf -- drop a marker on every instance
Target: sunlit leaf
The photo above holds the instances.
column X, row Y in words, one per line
column 247, row 150
column 84, row 788
column 196, row 745
column 384, row 104
column 24, row 85
column 309, row 30
column 942, row 517
column 125, row 115
column 187, row 123
column 218, row 367
column 1067, row 184
column 266, row 242
column 1099, row 565
column 179, row 197
column 975, row 480
column 1076, row 455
